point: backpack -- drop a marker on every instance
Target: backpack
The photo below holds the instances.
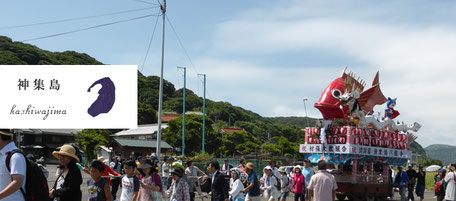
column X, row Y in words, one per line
column 290, row 184
column 279, row 183
column 438, row 187
column 36, row 186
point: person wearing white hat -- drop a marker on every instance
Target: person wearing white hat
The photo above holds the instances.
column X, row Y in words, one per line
column 284, row 181
column 300, row 184
column 270, row 185
column 11, row 181
column 68, row 183
column 236, row 185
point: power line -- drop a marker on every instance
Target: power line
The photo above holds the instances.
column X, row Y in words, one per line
column 92, row 27
column 145, row 2
column 182, row 45
column 150, row 43
column 75, row 19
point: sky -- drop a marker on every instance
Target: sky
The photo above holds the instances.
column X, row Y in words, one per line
column 266, row 56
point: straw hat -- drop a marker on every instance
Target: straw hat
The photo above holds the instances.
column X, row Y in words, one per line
column 66, row 150
column 6, row 132
column 250, row 166
column 282, row 169
column 102, row 159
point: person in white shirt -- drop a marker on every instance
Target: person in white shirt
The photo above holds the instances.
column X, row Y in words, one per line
column 322, row 186
column 226, row 167
column 165, row 173
column 192, row 173
column 451, row 184
column 275, row 171
column 236, row 186
column 270, row 185
column 11, row 181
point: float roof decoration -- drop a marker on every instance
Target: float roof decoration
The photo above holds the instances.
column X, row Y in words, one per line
column 330, row 104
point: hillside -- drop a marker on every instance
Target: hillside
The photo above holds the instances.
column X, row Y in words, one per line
column 223, row 113
column 445, row 153
column 293, row 121
column 418, row 149
column 270, row 132
column 17, row 53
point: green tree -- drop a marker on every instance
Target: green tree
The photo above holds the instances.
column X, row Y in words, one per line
column 148, row 89
column 146, row 114
column 271, row 149
column 193, row 134
column 239, row 143
column 429, row 161
column 89, row 139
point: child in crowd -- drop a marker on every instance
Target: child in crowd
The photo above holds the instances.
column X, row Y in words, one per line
column 99, row 189
column 151, row 187
column 130, row 183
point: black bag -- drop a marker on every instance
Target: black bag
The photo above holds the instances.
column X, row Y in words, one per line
column 279, row 183
column 36, row 186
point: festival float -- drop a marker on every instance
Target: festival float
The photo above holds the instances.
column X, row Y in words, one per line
column 359, row 146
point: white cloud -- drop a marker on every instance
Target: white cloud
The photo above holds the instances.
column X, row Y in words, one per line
column 416, row 62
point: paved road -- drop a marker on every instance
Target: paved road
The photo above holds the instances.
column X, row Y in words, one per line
column 428, row 196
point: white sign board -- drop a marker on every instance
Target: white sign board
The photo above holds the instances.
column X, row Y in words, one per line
column 354, row 149
column 68, row 96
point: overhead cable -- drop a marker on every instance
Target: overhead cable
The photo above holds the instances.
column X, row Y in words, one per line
column 75, row 19
column 145, row 2
column 92, row 27
column 150, row 43
column 182, row 45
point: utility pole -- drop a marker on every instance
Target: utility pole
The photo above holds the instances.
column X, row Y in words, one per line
column 160, row 97
column 204, row 108
column 183, row 111
column 305, row 109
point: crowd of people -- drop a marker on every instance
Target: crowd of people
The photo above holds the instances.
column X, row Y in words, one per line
column 408, row 180
column 445, row 183
column 146, row 179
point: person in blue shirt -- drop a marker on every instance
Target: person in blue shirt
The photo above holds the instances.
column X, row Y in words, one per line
column 253, row 189
column 308, row 172
column 401, row 181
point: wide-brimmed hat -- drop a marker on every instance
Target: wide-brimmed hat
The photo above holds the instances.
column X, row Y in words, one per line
column 177, row 171
column 146, row 164
column 250, row 166
column 66, row 150
column 268, row 168
column 102, row 159
column 282, row 169
column 299, row 167
column 6, row 132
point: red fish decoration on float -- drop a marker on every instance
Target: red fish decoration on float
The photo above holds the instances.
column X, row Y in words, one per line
column 331, row 107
